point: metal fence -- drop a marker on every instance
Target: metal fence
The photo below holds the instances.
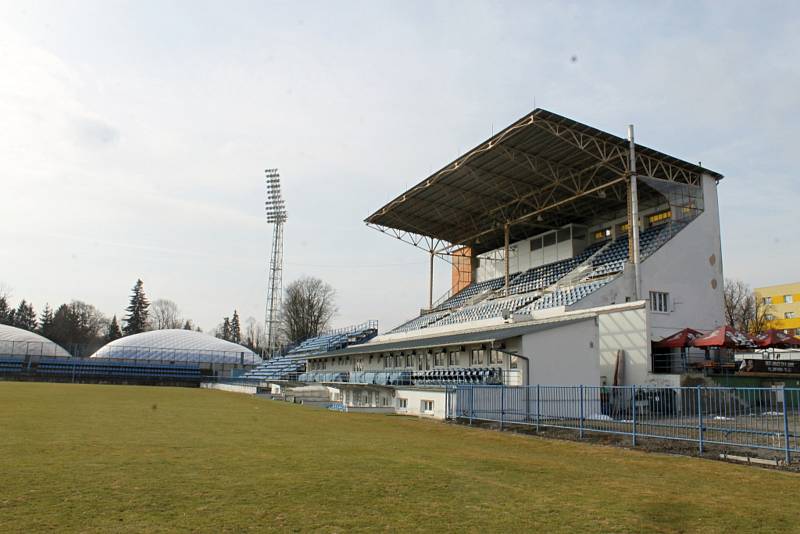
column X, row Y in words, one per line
column 740, row 417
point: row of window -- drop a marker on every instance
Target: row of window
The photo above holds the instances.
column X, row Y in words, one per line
column 786, row 315
column 787, row 299
column 622, row 228
column 425, row 406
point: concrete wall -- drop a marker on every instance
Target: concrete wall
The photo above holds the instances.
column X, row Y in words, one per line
column 689, row 268
column 626, row 331
column 414, row 399
column 563, row 355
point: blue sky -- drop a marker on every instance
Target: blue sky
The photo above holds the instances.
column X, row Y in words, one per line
column 134, row 134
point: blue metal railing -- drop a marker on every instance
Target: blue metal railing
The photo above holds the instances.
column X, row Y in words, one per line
column 741, row 417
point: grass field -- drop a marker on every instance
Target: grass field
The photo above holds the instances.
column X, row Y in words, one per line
column 117, row 458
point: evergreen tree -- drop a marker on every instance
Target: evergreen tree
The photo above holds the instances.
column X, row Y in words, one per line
column 4, row 310
column 136, row 320
column 226, row 329
column 188, row 325
column 25, row 317
column 46, row 321
column 113, row 332
column 236, row 329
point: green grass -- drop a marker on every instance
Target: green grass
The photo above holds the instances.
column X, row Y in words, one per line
column 115, row 458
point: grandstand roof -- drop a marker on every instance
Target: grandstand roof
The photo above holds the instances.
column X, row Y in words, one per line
column 482, row 335
column 177, row 344
column 18, row 342
column 539, row 173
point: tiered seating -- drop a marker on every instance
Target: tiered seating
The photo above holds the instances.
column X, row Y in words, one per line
column 484, row 310
column 612, row 260
column 278, row 368
column 422, row 321
column 543, row 276
column 470, row 291
column 467, row 375
column 98, row 367
column 10, row 364
column 567, row 296
column 337, row 339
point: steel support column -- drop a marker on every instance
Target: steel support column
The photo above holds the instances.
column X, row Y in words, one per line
column 633, row 216
column 430, row 280
column 506, row 248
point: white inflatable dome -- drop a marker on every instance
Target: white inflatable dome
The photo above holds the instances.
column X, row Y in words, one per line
column 18, row 342
column 176, row 345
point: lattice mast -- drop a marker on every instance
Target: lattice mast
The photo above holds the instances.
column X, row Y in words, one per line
column 276, row 215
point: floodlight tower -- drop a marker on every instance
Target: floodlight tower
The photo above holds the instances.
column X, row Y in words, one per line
column 276, row 215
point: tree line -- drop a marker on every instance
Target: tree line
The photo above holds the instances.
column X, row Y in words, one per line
column 81, row 328
column 307, row 311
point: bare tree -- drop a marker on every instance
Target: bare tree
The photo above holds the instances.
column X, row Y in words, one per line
column 165, row 314
column 744, row 311
column 308, row 308
column 255, row 337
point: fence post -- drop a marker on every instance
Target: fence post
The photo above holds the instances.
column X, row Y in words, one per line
column 633, row 415
column 786, row 426
column 580, row 414
column 700, row 419
column 446, row 403
column 471, row 402
column 538, row 408
column 502, row 404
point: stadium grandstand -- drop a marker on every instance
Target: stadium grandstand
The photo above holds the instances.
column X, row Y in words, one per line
column 571, row 250
column 287, row 366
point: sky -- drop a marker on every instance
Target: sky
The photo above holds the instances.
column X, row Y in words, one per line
column 134, row 135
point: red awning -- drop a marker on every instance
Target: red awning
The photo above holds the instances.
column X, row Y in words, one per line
column 678, row 340
column 776, row 338
column 725, row 337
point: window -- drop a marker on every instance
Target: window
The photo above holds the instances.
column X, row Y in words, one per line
column 602, row 234
column 495, row 357
column 476, row 357
column 426, row 407
column 659, row 217
column 409, row 361
column 789, row 315
column 766, row 300
column 659, row 301
column 770, row 317
column 452, row 359
column 384, row 401
column 440, row 359
column 797, row 331
column 788, row 299
column 402, row 404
